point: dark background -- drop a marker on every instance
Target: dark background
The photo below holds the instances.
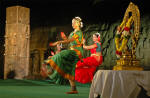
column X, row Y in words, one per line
column 62, row 11
column 44, row 13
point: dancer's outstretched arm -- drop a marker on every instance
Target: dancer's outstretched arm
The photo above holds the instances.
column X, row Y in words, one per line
column 63, row 41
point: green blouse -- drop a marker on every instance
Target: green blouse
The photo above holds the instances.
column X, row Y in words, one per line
column 77, row 44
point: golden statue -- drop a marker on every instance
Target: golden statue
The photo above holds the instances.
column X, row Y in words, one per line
column 127, row 58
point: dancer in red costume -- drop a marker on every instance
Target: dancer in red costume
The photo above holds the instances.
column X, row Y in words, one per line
column 86, row 67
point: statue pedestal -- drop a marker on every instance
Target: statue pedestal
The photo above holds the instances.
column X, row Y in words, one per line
column 126, row 62
column 120, row 67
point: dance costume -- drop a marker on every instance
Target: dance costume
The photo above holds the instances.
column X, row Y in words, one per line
column 86, row 67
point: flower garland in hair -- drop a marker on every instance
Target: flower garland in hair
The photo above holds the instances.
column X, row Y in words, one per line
column 98, row 36
column 79, row 20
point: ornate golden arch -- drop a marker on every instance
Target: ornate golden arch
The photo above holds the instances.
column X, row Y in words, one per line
column 133, row 9
column 128, row 59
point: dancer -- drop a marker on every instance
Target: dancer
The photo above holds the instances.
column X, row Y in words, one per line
column 48, row 70
column 86, row 67
column 63, row 64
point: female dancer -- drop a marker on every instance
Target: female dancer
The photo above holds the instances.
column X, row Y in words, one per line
column 64, row 63
column 87, row 66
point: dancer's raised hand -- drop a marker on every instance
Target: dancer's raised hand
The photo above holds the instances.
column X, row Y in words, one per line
column 63, row 36
column 53, row 44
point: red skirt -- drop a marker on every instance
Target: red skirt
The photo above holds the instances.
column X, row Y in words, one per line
column 85, row 69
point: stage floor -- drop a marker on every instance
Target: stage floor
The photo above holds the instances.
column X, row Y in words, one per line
column 39, row 89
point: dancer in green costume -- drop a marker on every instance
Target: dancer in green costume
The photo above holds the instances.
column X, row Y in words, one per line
column 63, row 64
column 58, row 79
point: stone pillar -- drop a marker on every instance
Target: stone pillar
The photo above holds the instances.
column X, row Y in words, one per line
column 17, row 39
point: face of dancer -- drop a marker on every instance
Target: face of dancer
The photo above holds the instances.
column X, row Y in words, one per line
column 75, row 24
column 95, row 38
column 58, row 47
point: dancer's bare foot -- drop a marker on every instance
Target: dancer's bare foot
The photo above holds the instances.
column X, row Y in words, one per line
column 72, row 92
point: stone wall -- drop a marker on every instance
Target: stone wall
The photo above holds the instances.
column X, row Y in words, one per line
column 17, row 38
column 143, row 48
